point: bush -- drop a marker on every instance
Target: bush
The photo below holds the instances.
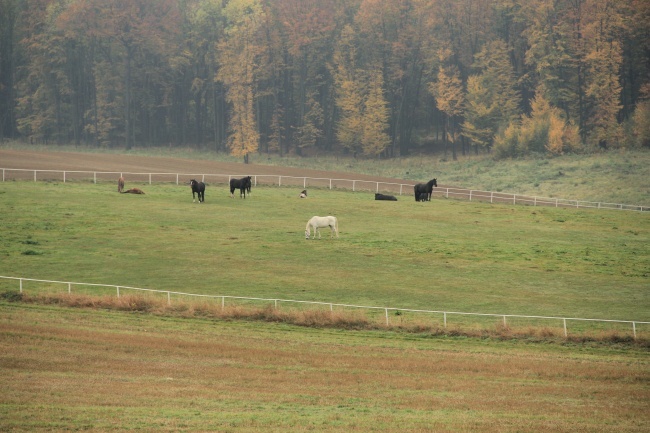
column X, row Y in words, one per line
column 12, row 296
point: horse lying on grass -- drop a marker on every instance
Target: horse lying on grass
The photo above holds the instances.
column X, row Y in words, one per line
column 133, row 191
column 379, row 196
column 303, row 194
column 199, row 189
column 321, row 222
column 424, row 188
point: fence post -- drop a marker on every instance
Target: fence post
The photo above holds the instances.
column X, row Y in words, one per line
column 3, row 174
column 377, row 187
column 330, row 184
column 387, row 323
column 69, row 288
column 504, row 322
column 223, row 302
column 353, row 184
column 279, row 180
column 565, row 333
column 634, row 329
column 491, row 196
column 276, row 303
column 118, row 291
column 95, row 177
column 21, row 285
column 34, row 175
column 169, row 298
column 470, row 195
column 176, row 178
column 304, row 182
column 445, row 318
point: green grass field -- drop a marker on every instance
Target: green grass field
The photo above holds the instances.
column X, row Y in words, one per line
column 98, row 370
column 442, row 255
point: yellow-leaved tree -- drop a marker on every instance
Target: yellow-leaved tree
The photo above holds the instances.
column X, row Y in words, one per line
column 349, row 93
column 375, row 139
column 238, row 62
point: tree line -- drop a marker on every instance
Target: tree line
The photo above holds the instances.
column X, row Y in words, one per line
column 374, row 78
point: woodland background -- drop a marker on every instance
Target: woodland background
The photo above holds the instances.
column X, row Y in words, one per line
column 374, row 78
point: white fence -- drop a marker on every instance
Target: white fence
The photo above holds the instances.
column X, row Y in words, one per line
column 304, row 182
column 385, row 310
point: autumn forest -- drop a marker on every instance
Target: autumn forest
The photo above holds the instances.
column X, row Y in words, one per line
column 373, row 78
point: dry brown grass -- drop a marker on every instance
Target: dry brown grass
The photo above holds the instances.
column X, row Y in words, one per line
column 350, row 320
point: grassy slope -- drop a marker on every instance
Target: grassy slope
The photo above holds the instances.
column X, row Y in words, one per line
column 66, row 369
column 445, row 254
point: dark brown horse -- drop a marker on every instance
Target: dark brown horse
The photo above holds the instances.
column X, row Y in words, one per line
column 199, row 189
column 244, row 185
column 424, row 188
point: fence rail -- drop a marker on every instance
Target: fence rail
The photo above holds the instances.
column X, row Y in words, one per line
column 331, row 305
column 305, row 181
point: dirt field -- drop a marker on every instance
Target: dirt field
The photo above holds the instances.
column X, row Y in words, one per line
column 39, row 160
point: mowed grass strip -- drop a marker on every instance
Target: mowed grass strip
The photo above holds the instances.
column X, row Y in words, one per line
column 94, row 370
column 442, row 255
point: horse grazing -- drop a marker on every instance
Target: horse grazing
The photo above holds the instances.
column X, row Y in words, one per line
column 379, row 196
column 244, row 185
column 425, row 188
column 133, row 191
column 321, row 222
column 120, row 184
column 199, row 189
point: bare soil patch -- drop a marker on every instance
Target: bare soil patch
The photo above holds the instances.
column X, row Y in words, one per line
column 43, row 160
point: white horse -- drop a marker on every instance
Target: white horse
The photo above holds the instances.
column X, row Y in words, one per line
column 320, row 222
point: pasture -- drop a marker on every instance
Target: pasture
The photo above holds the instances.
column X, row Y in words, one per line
column 98, row 370
column 440, row 255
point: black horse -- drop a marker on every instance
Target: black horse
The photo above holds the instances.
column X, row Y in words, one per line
column 379, row 196
column 199, row 189
column 244, row 185
column 424, row 188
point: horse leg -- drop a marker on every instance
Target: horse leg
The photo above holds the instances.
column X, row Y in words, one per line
column 193, row 200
